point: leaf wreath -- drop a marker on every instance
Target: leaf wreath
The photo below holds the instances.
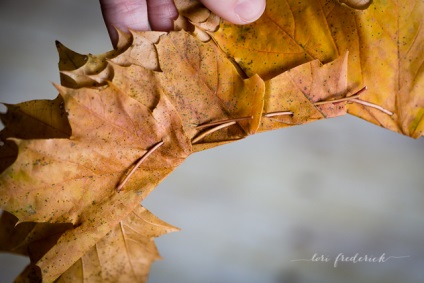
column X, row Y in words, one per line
column 75, row 169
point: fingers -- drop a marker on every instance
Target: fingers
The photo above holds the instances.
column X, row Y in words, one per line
column 136, row 14
column 124, row 15
column 237, row 11
column 162, row 14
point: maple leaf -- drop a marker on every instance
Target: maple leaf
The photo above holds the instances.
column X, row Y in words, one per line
column 83, row 190
column 196, row 19
column 126, row 118
column 130, row 242
column 306, row 93
column 132, row 246
column 74, row 180
column 35, row 119
column 29, row 238
column 203, row 85
column 384, row 55
column 288, row 34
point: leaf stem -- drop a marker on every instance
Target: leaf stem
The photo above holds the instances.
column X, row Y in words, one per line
column 349, row 98
column 223, row 122
column 210, row 131
column 369, row 104
column 128, row 175
column 277, row 113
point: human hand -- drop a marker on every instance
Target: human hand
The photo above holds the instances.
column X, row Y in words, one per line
column 159, row 15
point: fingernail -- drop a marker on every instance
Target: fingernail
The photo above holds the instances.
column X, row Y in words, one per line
column 249, row 10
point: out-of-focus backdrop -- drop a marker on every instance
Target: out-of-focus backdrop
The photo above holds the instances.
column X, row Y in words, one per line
column 257, row 210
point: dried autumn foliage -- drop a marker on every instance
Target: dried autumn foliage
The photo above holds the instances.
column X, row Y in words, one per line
column 384, row 43
column 75, row 169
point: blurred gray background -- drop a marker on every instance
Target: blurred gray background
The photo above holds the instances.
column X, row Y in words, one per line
column 250, row 209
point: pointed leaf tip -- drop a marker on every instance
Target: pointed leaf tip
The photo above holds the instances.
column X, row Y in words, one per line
column 68, row 59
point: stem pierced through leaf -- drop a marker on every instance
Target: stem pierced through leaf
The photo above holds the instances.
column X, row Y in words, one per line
column 223, row 122
column 277, row 113
column 219, row 125
column 210, row 131
column 349, row 98
column 128, row 175
column 369, row 104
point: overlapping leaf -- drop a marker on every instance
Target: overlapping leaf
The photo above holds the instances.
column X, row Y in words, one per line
column 384, row 42
column 114, row 124
column 290, row 98
column 137, row 112
column 75, row 179
column 130, row 243
column 31, row 120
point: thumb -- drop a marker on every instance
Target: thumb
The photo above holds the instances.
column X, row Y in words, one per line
column 237, row 11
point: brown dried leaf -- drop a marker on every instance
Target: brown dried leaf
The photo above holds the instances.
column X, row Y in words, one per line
column 124, row 254
column 195, row 19
column 29, row 238
column 288, row 34
column 391, row 60
column 75, row 180
column 175, row 94
column 384, row 41
column 205, row 87
column 141, row 52
column 87, row 65
column 290, row 97
column 35, row 119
